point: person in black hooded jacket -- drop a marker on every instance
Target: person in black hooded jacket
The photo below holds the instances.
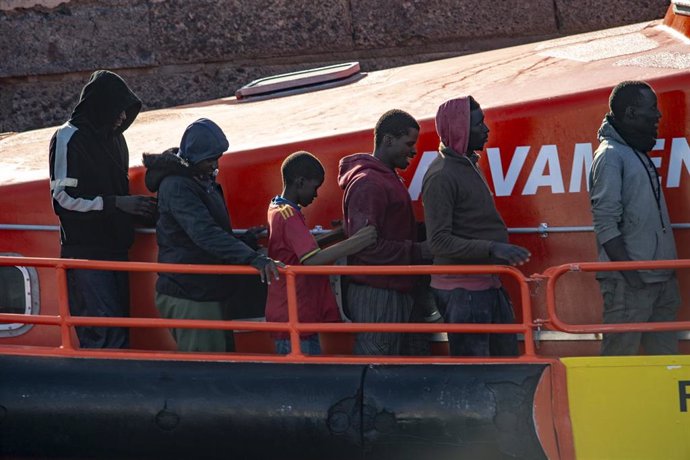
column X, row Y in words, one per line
column 89, row 163
column 194, row 228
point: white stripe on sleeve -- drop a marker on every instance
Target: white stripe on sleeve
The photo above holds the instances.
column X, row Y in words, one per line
column 66, row 182
column 65, row 133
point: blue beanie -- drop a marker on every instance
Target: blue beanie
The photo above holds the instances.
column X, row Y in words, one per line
column 202, row 140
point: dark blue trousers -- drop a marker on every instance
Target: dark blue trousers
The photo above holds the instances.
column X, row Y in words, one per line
column 489, row 306
column 99, row 293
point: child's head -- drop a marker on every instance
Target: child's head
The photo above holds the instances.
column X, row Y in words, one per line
column 303, row 174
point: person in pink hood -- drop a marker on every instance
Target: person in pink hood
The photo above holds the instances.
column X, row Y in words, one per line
column 464, row 227
column 375, row 195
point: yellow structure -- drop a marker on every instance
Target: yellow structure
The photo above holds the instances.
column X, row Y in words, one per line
column 635, row 407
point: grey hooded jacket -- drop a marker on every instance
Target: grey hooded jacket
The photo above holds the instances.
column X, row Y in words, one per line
column 622, row 188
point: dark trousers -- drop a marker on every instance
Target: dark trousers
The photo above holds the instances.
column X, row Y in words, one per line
column 491, row 306
column 99, row 293
column 368, row 304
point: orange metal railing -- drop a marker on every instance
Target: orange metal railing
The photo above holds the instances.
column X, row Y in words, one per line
column 526, row 327
column 553, row 274
column 65, row 321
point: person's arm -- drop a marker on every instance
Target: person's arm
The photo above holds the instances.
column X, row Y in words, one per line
column 615, row 249
column 336, row 235
column 251, row 236
column 366, row 205
column 365, row 237
column 177, row 196
column 138, row 205
column 606, row 186
column 148, row 220
column 439, row 199
column 67, row 150
column 198, row 223
column 297, row 237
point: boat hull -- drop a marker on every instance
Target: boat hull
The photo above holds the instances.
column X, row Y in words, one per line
column 69, row 407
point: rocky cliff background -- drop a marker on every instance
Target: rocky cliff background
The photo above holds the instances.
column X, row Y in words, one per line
column 174, row 52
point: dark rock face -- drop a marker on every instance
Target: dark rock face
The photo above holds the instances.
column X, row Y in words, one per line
column 586, row 15
column 176, row 51
column 75, row 36
column 394, row 23
column 211, row 30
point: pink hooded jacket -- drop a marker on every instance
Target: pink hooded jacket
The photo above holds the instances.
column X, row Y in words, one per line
column 453, row 124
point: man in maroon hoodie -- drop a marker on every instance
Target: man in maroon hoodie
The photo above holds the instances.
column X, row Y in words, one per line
column 464, row 227
column 375, row 195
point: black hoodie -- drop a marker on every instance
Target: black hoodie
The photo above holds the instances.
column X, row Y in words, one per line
column 89, row 163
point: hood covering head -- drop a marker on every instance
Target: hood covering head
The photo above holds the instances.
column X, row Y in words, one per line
column 161, row 165
column 102, row 100
column 202, row 140
column 453, row 124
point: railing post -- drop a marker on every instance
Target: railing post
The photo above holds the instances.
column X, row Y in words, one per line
column 527, row 317
column 63, row 308
column 293, row 316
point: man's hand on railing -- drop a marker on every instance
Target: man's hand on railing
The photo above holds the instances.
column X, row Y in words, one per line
column 268, row 268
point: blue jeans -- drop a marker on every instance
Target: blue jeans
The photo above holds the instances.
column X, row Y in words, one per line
column 491, row 306
column 99, row 293
column 309, row 345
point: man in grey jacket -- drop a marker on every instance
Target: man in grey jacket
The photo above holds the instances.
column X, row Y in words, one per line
column 631, row 222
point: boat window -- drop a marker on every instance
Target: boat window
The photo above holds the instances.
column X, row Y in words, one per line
column 18, row 295
column 300, row 82
column 681, row 7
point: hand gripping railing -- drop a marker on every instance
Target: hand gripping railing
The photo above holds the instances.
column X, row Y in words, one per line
column 554, row 273
column 65, row 321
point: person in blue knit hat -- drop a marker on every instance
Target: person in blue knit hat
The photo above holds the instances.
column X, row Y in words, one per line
column 194, row 228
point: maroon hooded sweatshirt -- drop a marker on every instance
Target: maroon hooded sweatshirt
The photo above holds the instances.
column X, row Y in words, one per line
column 375, row 195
